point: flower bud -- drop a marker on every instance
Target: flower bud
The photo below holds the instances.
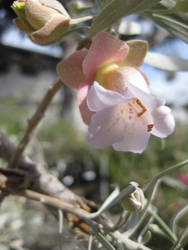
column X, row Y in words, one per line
column 136, row 200
column 45, row 21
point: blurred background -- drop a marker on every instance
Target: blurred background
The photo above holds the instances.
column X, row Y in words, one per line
column 26, row 71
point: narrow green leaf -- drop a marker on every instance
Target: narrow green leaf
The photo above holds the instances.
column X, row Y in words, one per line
column 103, row 3
column 168, row 63
column 117, row 9
column 177, row 217
column 106, row 2
column 182, row 240
column 177, row 25
column 168, row 3
column 147, row 237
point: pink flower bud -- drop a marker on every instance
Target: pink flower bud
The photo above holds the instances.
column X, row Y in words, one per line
column 45, row 21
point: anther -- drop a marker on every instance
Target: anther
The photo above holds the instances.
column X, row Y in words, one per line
column 150, row 126
column 142, row 106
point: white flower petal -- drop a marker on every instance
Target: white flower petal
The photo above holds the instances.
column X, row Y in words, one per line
column 135, row 142
column 163, row 120
column 134, row 76
column 103, row 129
column 100, row 98
column 121, row 127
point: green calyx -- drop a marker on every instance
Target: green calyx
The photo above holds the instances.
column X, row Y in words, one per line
column 19, row 6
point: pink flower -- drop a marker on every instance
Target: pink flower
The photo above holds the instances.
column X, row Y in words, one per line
column 114, row 96
column 184, row 178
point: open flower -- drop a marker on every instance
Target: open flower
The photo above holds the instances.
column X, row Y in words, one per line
column 114, row 96
column 45, row 21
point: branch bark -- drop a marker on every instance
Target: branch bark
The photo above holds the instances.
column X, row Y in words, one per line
column 40, row 180
column 33, row 122
column 47, row 189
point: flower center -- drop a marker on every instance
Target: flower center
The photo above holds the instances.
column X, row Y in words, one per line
column 104, row 74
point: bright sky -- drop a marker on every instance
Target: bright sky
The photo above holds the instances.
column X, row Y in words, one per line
column 15, row 38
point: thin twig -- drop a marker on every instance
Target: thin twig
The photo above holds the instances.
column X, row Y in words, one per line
column 82, row 214
column 60, row 229
column 99, row 4
column 90, row 242
column 33, row 122
column 180, row 242
column 145, row 230
column 177, row 217
column 54, row 202
column 114, row 198
column 169, row 170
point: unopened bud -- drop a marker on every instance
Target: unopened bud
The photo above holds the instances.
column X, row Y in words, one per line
column 136, row 200
column 45, row 21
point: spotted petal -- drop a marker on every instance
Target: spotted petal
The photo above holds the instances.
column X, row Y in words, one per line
column 151, row 102
column 135, row 138
column 120, row 126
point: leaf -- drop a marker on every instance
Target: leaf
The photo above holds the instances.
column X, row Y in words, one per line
column 168, row 63
column 153, row 185
column 177, row 25
column 176, row 5
column 168, row 3
column 177, row 218
column 106, row 2
column 147, row 237
column 117, row 9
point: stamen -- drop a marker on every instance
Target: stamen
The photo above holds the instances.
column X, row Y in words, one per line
column 150, row 126
column 142, row 106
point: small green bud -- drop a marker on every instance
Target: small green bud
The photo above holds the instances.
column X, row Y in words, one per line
column 19, row 6
column 135, row 201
